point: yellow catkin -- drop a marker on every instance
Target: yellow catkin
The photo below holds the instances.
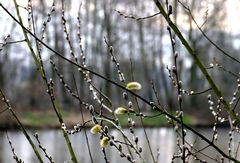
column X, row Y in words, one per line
column 104, row 142
column 96, row 129
column 133, row 86
column 120, row 110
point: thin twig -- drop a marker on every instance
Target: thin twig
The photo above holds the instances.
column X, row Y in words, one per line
column 12, row 42
column 136, row 18
column 83, row 120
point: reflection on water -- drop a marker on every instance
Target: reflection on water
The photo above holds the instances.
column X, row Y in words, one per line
column 163, row 139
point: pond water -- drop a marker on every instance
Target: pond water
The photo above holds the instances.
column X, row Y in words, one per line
column 163, row 139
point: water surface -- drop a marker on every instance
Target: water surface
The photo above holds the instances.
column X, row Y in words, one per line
column 163, row 139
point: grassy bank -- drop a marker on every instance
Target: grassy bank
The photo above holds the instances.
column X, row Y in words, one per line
column 48, row 119
column 39, row 119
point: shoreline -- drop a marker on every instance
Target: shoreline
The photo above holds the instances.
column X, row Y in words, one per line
column 46, row 119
